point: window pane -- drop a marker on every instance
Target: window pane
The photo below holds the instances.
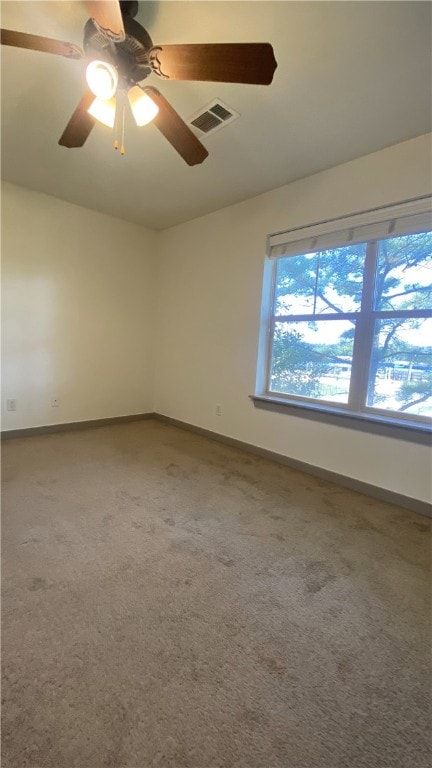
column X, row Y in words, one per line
column 400, row 376
column 404, row 272
column 320, row 283
column 313, row 359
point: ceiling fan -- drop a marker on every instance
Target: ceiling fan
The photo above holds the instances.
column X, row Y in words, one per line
column 121, row 56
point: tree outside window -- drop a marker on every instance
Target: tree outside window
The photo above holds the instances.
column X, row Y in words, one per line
column 352, row 327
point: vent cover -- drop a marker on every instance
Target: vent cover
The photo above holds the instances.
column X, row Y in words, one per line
column 212, row 117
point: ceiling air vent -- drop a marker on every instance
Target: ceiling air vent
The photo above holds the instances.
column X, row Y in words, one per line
column 212, row 117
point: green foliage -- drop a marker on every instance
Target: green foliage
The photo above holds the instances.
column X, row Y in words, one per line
column 397, row 285
column 328, row 277
column 296, row 367
column 413, row 393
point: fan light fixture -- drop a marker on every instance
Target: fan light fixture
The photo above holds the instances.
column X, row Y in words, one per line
column 103, row 110
column 143, row 107
column 102, row 79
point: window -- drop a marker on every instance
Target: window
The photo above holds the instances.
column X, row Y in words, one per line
column 348, row 317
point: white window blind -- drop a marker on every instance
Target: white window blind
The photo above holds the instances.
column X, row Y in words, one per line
column 406, row 218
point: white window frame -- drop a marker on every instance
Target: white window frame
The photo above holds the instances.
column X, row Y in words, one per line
column 367, row 226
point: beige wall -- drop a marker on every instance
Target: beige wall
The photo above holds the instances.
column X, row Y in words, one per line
column 209, row 294
column 77, row 312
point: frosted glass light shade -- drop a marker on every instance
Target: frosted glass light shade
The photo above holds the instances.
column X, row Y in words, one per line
column 102, row 79
column 103, row 110
column 143, row 107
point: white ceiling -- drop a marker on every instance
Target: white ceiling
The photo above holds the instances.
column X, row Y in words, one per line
column 352, row 78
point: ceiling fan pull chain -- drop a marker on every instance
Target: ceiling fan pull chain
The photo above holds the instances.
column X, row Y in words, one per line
column 116, row 131
column 122, row 149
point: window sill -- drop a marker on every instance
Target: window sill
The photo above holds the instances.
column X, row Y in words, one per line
column 374, row 424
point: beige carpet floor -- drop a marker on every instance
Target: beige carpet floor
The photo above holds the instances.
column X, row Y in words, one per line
column 172, row 602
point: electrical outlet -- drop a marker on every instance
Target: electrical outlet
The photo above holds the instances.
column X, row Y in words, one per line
column 11, row 405
column 218, row 410
column 55, row 402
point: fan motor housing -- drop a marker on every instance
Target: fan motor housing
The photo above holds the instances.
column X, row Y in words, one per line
column 130, row 56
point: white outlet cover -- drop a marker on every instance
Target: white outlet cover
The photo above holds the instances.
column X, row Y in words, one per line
column 11, row 405
column 55, row 402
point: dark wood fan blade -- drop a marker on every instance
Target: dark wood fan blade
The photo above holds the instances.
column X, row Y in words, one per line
column 106, row 14
column 175, row 130
column 219, row 62
column 37, row 43
column 79, row 126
